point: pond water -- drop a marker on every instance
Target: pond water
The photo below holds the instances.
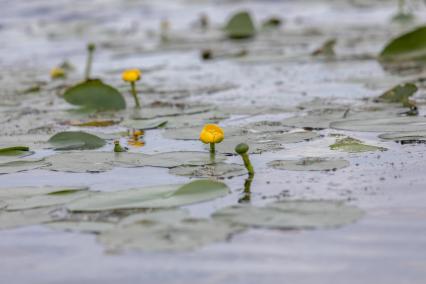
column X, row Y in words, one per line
column 276, row 80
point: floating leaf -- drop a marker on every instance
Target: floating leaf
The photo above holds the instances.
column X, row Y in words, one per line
column 20, row 192
column 399, row 93
column 94, row 94
column 166, row 111
column 409, row 46
column 76, row 140
column 145, row 124
column 240, row 26
column 78, row 162
column 406, row 137
column 94, row 123
column 22, row 165
column 152, row 197
column 167, row 159
column 309, row 164
column 15, row 151
column 155, row 236
column 295, row 214
column 392, row 124
column 46, row 200
column 23, row 218
column 81, row 226
column 166, row 216
column 214, row 170
column 351, row 145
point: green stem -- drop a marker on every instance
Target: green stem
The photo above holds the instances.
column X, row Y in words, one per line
column 88, row 64
column 212, row 148
column 135, row 94
column 246, row 198
column 247, row 164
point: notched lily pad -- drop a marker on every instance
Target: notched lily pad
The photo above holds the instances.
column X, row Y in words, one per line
column 23, row 218
column 309, row 164
column 20, row 192
column 78, row 162
column 94, row 94
column 352, row 145
column 152, row 197
column 295, row 214
column 76, row 140
column 214, row 170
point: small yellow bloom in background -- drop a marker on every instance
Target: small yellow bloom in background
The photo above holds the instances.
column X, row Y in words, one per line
column 212, row 133
column 134, row 140
column 57, row 73
column 131, row 75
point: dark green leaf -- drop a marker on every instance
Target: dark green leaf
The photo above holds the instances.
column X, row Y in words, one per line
column 240, row 26
column 409, row 46
column 94, row 94
column 76, row 140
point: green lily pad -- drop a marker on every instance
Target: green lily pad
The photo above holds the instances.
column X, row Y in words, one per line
column 399, row 93
column 352, row 145
column 76, row 140
column 187, row 234
column 240, row 26
column 389, row 124
column 94, row 94
column 206, row 171
column 309, row 164
column 19, row 151
column 407, row 47
column 152, row 197
column 295, row 214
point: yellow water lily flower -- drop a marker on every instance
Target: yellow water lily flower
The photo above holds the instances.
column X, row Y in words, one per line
column 212, row 133
column 134, row 140
column 57, row 73
column 131, row 75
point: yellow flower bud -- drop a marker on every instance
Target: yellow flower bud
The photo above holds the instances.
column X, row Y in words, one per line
column 212, row 133
column 57, row 73
column 131, row 75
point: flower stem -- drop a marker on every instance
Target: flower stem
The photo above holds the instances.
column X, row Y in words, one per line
column 135, row 94
column 212, row 148
column 88, row 64
column 247, row 164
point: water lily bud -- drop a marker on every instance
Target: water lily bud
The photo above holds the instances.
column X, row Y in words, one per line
column 91, row 47
column 57, row 73
column 241, row 148
column 212, row 133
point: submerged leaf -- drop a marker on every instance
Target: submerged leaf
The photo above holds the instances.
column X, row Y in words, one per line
column 352, row 145
column 214, row 170
column 22, row 165
column 309, row 164
column 295, row 214
column 240, row 26
column 94, row 94
column 76, row 140
column 152, row 197
column 409, row 46
column 186, row 234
